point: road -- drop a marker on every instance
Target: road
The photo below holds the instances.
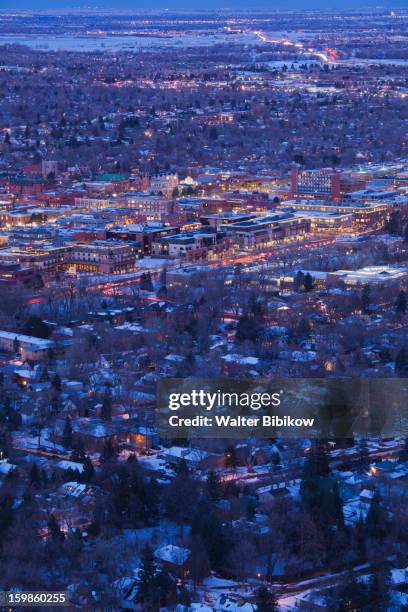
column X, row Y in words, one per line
column 264, row 257
column 326, row 55
column 284, row 475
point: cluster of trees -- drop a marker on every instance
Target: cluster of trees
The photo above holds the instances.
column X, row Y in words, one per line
column 303, row 282
column 146, row 283
column 10, row 418
column 358, row 594
column 133, row 498
column 156, row 588
column 320, row 498
column 301, row 536
column 80, row 116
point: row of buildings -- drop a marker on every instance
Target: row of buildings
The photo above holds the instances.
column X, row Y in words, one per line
column 105, row 226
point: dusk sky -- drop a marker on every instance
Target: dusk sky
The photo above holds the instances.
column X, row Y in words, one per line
column 183, row 4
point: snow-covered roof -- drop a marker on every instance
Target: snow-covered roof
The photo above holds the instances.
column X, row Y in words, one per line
column 399, row 576
column 174, row 357
column 38, row 343
column 172, row 554
column 354, row 511
column 230, row 604
column 26, row 373
column 70, row 465
column 234, row 358
column 76, row 489
column 189, row 454
column 367, row 494
column 6, row 467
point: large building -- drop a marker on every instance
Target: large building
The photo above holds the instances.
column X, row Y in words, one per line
column 222, row 219
column 315, row 183
column 144, row 234
column 149, row 206
column 48, row 168
column 186, row 278
column 26, row 186
column 90, row 203
column 190, row 245
column 102, row 257
column 14, row 274
column 164, row 184
column 328, row 222
column 374, row 276
column 45, row 259
column 28, row 347
column 379, row 276
column 264, row 230
column 370, row 214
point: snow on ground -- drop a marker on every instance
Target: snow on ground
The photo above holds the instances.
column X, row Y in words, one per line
column 152, row 262
column 286, row 604
column 6, row 467
column 156, row 464
column 214, row 582
column 25, row 440
column 70, row 465
column 399, row 576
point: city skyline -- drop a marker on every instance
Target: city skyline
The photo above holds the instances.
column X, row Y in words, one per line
column 181, row 5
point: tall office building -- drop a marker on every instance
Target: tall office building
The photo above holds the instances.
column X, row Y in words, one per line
column 324, row 183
